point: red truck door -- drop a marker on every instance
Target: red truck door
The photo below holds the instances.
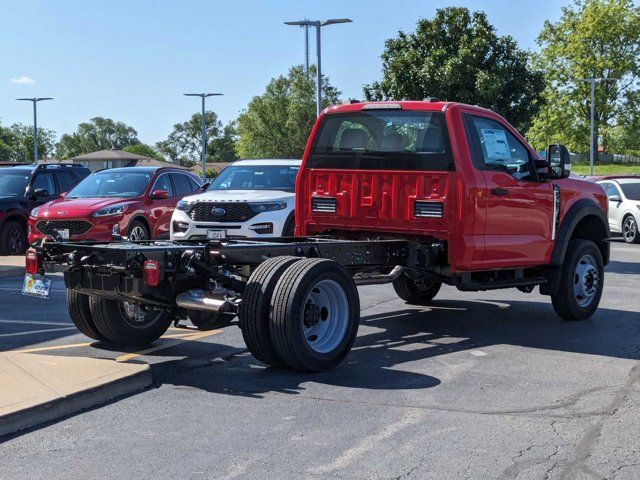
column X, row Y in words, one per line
column 519, row 207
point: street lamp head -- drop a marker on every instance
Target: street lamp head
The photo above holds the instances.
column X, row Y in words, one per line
column 332, row 21
column 213, row 94
column 35, row 99
column 303, row 23
column 43, row 98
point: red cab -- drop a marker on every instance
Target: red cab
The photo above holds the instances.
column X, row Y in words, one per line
column 136, row 202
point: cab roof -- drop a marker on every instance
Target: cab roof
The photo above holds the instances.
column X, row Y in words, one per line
column 428, row 105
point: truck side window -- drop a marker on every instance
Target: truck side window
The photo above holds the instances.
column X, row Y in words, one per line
column 495, row 148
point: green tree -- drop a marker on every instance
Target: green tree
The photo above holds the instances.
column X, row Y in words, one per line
column 143, row 149
column 16, row 143
column 277, row 123
column 184, row 144
column 458, row 56
column 99, row 133
column 592, row 39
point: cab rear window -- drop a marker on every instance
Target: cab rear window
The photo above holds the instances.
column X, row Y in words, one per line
column 386, row 140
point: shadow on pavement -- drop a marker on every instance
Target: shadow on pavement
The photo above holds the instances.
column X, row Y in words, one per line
column 419, row 333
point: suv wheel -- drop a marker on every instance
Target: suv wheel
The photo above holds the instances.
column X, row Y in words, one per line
column 137, row 231
column 13, row 240
column 630, row 229
column 581, row 281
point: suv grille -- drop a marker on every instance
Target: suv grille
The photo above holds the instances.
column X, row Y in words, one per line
column 75, row 227
column 221, row 212
column 427, row 209
column 323, row 204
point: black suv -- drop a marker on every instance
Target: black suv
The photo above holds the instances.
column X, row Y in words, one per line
column 24, row 187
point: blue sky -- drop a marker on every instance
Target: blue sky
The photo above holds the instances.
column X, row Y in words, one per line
column 131, row 60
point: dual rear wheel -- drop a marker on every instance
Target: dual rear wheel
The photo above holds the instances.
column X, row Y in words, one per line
column 301, row 313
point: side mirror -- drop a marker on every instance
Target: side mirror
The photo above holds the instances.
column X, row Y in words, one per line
column 63, row 194
column 159, row 194
column 40, row 193
column 559, row 161
column 615, row 198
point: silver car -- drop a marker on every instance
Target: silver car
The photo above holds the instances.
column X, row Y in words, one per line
column 624, row 206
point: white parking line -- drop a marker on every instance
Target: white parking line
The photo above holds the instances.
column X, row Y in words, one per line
column 34, row 322
column 30, row 332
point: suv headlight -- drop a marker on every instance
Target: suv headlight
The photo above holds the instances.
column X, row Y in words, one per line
column 107, row 211
column 267, row 206
column 184, row 205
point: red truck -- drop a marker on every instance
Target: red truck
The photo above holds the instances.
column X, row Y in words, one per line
column 413, row 193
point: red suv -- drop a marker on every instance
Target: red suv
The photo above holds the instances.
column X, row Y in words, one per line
column 136, row 202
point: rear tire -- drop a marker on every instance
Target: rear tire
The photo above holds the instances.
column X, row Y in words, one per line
column 209, row 320
column 315, row 312
column 581, row 281
column 254, row 309
column 80, row 313
column 128, row 324
column 13, row 239
column 416, row 292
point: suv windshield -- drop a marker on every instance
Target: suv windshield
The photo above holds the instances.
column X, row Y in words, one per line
column 13, row 183
column 382, row 139
column 256, row 177
column 631, row 190
column 111, row 184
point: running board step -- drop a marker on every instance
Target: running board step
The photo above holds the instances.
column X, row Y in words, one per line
column 510, row 283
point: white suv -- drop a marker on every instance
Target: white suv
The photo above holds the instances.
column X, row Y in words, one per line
column 249, row 198
column 624, row 206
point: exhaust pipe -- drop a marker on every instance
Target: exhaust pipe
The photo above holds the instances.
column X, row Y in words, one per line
column 379, row 279
column 205, row 301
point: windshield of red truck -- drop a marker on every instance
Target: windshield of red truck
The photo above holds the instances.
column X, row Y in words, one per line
column 385, row 140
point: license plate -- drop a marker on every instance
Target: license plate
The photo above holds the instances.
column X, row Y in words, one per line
column 64, row 234
column 36, row 286
column 216, row 234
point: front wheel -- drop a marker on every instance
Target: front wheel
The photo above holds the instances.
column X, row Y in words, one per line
column 581, row 281
column 128, row 323
column 416, row 292
column 314, row 316
column 630, row 230
column 13, row 239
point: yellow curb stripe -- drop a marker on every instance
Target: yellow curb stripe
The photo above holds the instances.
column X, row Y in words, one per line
column 187, row 338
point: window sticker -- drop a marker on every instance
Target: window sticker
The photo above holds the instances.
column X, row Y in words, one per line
column 495, row 144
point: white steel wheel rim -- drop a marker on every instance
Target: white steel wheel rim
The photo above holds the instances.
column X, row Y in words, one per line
column 586, row 280
column 138, row 233
column 629, row 229
column 325, row 316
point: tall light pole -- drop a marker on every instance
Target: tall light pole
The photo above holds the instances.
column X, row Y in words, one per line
column 35, row 122
column 204, row 129
column 592, row 82
column 319, row 24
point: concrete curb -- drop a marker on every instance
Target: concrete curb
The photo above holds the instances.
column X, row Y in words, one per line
column 74, row 403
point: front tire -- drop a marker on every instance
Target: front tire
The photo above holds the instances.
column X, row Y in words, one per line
column 127, row 323
column 581, row 281
column 315, row 312
column 137, row 231
column 13, row 239
column 630, row 229
column 416, row 292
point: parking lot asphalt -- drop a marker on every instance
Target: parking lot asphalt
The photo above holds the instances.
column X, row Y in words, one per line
column 479, row 385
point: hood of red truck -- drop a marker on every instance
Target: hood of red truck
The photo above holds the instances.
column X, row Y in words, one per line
column 75, row 207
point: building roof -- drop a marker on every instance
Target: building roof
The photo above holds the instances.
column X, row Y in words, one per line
column 102, row 155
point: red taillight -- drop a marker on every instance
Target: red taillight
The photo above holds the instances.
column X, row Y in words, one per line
column 151, row 273
column 31, row 261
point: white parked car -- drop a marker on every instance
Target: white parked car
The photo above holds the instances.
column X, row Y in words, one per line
column 249, row 198
column 624, row 206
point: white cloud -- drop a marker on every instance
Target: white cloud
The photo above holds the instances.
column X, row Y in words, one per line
column 23, row 80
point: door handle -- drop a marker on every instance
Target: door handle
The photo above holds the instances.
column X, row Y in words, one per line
column 499, row 191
